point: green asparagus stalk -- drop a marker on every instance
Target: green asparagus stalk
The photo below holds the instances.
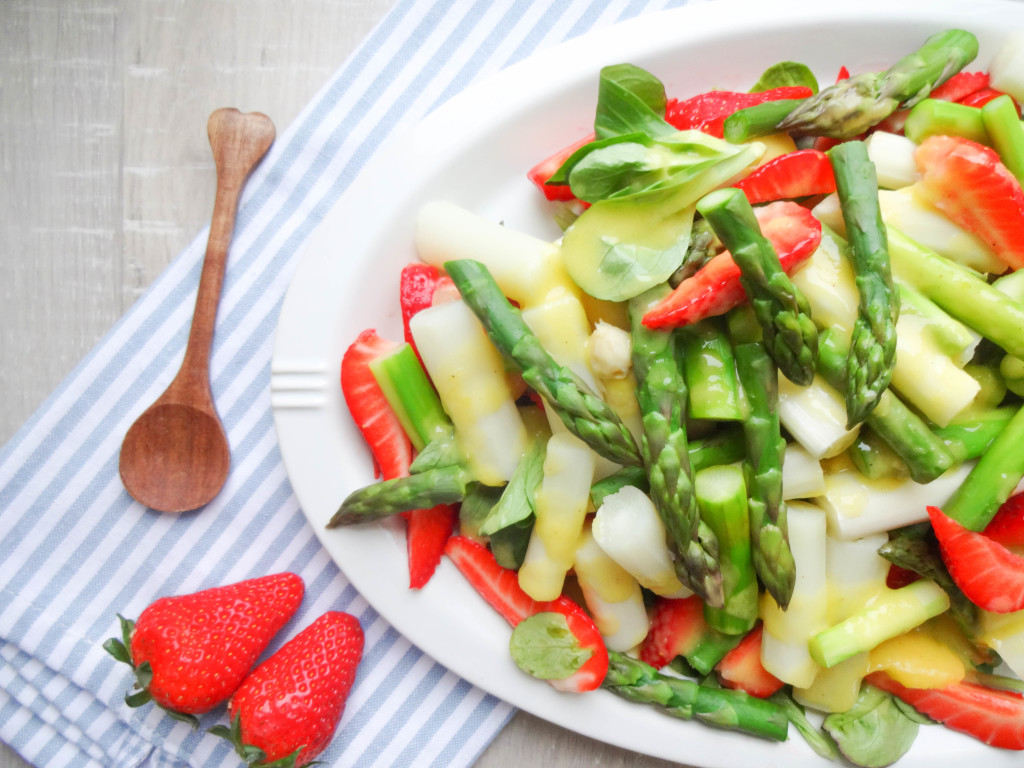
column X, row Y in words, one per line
column 790, row 335
column 722, row 495
column 584, row 414
column 873, row 346
column 1003, row 125
column 959, row 291
column 710, row 372
column 759, row 120
column 423, row 490
column 971, row 434
column 723, row 447
column 686, row 699
column 772, row 557
column 411, row 396
column 661, row 393
column 924, row 452
column 937, row 117
column 851, row 106
column 992, row 479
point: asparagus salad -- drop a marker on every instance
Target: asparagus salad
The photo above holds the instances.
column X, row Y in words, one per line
column 745, row 444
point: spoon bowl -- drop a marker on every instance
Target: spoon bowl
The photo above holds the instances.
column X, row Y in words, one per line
column 176, row 456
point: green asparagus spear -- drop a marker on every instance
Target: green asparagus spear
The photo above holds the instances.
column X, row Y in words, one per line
column 710, row 372
column 769, row 538
column 873, row 347
column 443, row 485
column 992, row 479
column 661, row 394
column 759, row 120
column 851, row 106
column 790, row 335
column 722, row 495
column 924, row 452
column 636, row 681
column 586, row 415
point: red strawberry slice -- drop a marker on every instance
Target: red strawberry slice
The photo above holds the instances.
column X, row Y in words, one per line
column 716, row 287
column 706, row 112
column 416, row 287
column 899, row 577
column 676, row 628
column 191, row 652
column 500, row 588
column 427, row 532
column 992, row 716
column 290, row 706
column 974, row 189
column 794, row 174
column 960, row 85
column 546, row 168
column 741, row 667
column 390, row 446
column 989, row 574
column 982, row 97
column 1007, row 527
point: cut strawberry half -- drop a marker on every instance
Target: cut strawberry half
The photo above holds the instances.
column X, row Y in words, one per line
column 794, row 174
column 390, row 446
column 960, row 85
column 499, row 586
column 984, row 96
column 968, row 183
column 1007, row 527
column 741, row 668
column 545, row 169
column 716, row 287
column 706, row 112
column 990, row 575
column 992, row 716
column 427, row 531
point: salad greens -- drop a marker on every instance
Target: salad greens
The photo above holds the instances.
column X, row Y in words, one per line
column 745, row 471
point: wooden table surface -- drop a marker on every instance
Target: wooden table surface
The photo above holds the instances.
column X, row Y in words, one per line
column 106, row 175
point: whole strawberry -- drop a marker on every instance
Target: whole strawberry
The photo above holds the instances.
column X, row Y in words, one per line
column 191, row 652
column 289, row 706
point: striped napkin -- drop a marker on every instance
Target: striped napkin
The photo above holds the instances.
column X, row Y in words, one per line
column 75, row 549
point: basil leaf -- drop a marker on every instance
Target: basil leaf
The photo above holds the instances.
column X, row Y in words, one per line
column 561, row 176
column 542, row 645
column 786, row 73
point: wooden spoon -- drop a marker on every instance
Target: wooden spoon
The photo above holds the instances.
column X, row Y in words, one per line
column 176, row 457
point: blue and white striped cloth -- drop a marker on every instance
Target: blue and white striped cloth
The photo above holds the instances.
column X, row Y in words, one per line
column 75, row 549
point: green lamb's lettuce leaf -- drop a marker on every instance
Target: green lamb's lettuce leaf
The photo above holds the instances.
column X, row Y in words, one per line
column 786, row 73
column 517, row 499
column 875, row 732
column 637, row 236
column 629, row 100
column 542, row 645
column 817, row 739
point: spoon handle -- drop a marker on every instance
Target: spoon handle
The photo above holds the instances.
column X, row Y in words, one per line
column 239, row 141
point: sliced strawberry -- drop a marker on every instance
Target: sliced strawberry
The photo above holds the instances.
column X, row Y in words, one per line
column 843, row 74
column 992, row 716
column 741, row 667
column 416, row 287
column 546, row 168
column 899, row 577
column 707, row 111
column 1007, row 527
column 794, row 174
column 960, row 85
column 984, row 96
column 427, row 532
column 989, row 574
column 500, row 588
column 390, row 446
column 678, row 628
column 974, row 189
column 716, row 287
